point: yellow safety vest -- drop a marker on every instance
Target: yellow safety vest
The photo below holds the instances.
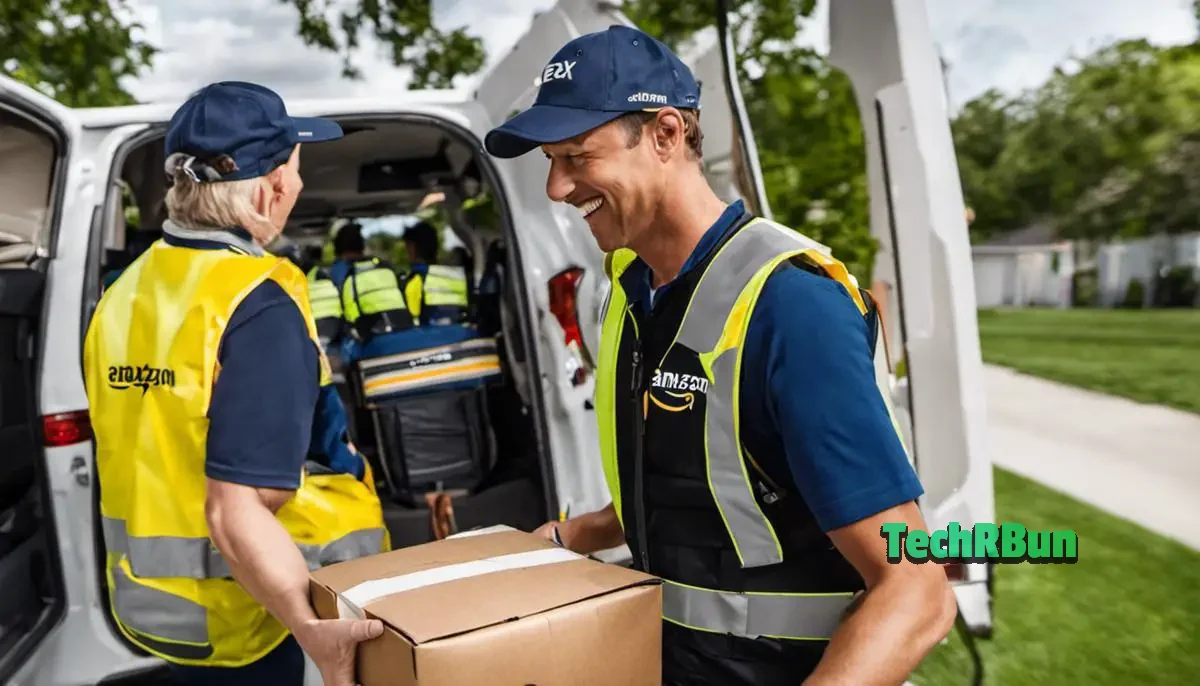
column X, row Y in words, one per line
column 326, row 304
column 442, row 286
column 323, row 295
column 715, row 327
column 150, row 361
column 372, row 292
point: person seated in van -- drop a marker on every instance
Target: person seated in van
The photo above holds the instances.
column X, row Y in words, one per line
column 323, row 297
column 348, row 248
column 310, row 258
column 372, row 301
column 436, row 293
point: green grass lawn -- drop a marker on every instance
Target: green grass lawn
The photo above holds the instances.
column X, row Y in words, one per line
column 1151, row 356
column 1128, row 612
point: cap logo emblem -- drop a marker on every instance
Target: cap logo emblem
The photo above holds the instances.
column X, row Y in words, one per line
column 558, row 70
column 648, row 97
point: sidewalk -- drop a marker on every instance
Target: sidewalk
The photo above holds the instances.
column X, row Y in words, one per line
column 1140, row 462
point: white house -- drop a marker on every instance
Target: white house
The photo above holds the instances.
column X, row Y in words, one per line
column 1118, row 264
column 1023, row 268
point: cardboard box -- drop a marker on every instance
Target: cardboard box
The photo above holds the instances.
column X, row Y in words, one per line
column 497, row 607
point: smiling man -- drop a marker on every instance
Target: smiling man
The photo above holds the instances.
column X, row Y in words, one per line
column 750, row 456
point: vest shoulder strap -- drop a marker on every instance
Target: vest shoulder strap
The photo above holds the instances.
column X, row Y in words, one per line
column 617, row 261
column 714, row 326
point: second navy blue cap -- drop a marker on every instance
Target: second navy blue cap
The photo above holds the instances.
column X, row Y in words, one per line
column 592, row 80
column 238, row 130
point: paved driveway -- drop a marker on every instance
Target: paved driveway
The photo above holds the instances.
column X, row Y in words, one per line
column 1140, row 462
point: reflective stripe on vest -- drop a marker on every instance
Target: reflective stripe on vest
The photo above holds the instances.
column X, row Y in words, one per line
column 715, row 326
column 445, row 286
column 796, row 616
column 371, row 288
column 163, row 622
column 198, row 558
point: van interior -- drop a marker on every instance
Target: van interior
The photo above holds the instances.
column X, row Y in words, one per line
column 386, row 167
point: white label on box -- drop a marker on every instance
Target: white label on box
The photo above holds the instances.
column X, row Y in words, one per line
column 347, row 610
column 496, row 529
column 369, row 591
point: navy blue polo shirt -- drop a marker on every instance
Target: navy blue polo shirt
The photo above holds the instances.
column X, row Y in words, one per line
column 267, row 411
column 809, row 393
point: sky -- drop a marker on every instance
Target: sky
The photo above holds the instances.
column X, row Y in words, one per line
column 1006, row 44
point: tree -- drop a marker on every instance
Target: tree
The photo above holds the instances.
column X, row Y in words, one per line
column 405, row 28
column 1105, row 147
column 814, row 164
column 75, row 51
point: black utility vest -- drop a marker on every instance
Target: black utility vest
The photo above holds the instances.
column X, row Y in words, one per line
column 672, row 523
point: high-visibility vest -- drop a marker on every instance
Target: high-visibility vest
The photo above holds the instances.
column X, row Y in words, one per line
column 372, row 302
column 733, row 553
column 326, row 304
column 441, row 296
column 150, row 362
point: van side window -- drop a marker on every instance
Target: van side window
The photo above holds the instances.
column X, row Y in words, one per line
column 27, row 156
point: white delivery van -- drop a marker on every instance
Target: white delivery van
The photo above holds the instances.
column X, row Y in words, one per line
column 63, row 175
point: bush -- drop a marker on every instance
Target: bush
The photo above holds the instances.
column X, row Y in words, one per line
column 1135, row 295
column 1084, row 288
column 1176, row 287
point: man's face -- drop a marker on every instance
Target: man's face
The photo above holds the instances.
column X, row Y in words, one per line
column 615, row 186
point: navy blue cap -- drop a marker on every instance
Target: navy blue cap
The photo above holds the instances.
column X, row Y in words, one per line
column 239, row 130
column 592, row 80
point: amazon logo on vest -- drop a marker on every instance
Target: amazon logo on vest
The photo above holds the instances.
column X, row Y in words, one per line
column 676, row 391
column 122, row 377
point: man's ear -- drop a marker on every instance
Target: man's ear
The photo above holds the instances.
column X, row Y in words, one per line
column 668, row 132
column 274, row 179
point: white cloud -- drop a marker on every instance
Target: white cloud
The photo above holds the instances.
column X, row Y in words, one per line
column 255, row 40
column 1007, row 44
column 1015, row 44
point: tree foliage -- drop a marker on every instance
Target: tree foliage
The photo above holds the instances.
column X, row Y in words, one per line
column 403, row 27
column 75, row 51
column 803, row 114
column 1107, row 146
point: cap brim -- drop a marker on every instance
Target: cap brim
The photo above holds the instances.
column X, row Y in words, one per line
column 542, row 124
column 316, row 129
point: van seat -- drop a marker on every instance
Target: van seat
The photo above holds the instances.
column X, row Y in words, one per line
column 426, row 392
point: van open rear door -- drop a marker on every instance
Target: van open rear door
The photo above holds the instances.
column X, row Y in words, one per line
column 38, row 172
column 924, row 265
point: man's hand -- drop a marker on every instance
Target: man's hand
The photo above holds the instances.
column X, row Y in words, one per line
column 905, row 611
column 332, row 643
column 586, row 534
column 547, row 531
